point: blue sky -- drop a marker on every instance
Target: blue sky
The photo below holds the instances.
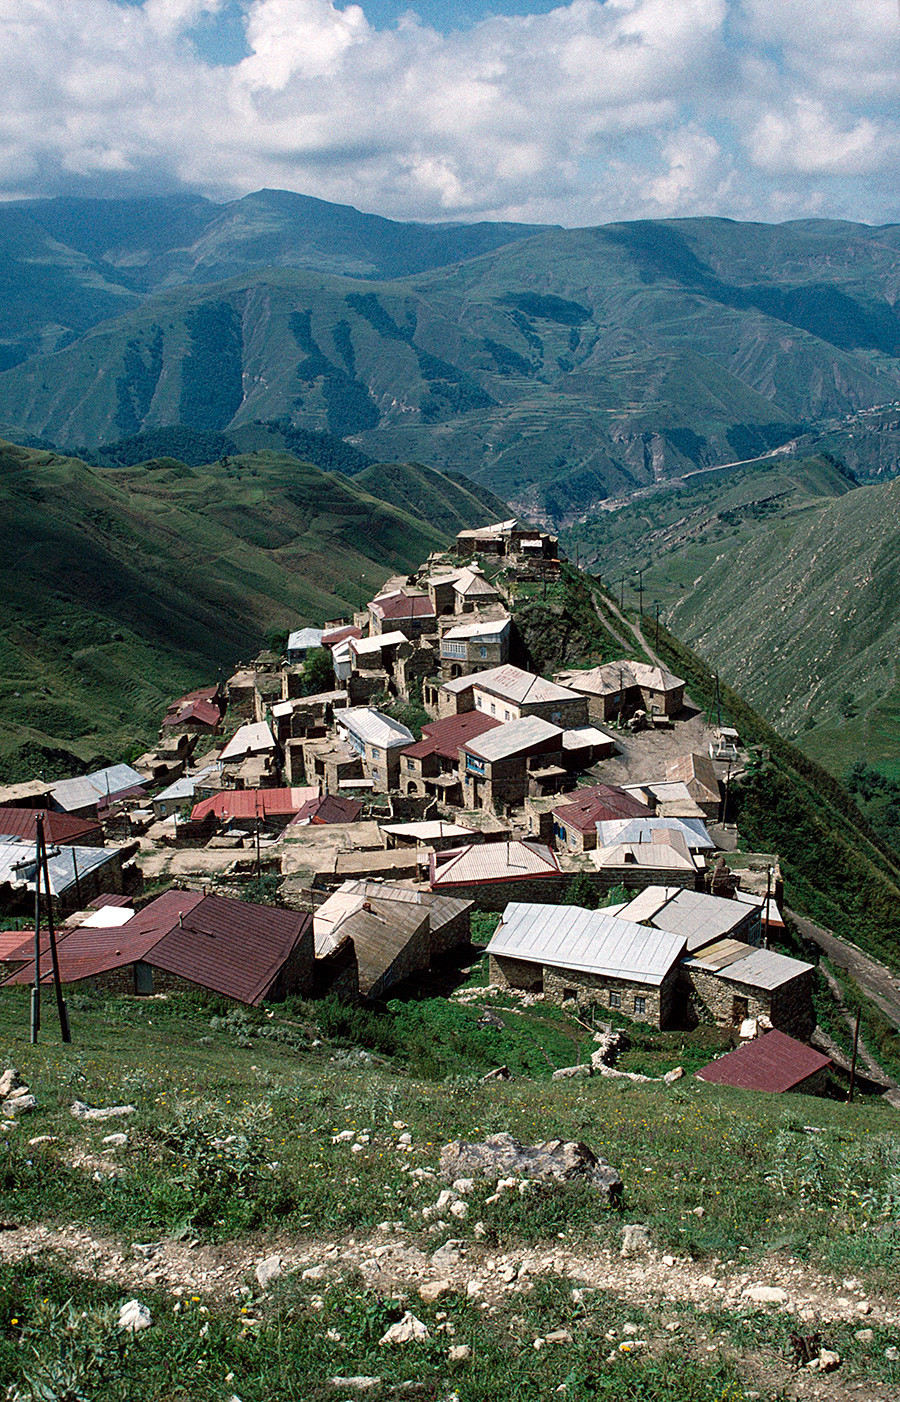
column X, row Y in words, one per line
column 574, row 113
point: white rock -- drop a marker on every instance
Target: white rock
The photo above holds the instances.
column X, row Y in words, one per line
column 344, row 1137
column 134, row 1316
column 19, row 1104
column 109, row 1112
column 459, row 1209
column 668, row 1260
column 459, row 1353
column 430, row 1291
column 892, row 1354
column 43, row 1139
column 116, row 1140
column 632, row 1345
column 765, row 1294
column 864, row 1336
column 863, row 1307
column 826, row 1362
column 635, row 1238
column 474, row 1288
column 674, row 1075
column 405, row 1331
column 358, row 1383
column 268, row 1270
column 463, row 1185
column 313, row 1273
column 558, row 1336
column 445, row 1197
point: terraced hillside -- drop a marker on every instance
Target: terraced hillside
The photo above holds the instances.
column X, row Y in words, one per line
column 125, row 585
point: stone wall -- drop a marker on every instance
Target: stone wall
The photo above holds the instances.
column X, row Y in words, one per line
column 452, row 933
column 717, row 996
column 590, row 990
column 412, row 959
column 496, row 895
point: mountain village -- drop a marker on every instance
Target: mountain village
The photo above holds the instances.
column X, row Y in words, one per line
column 589, row 811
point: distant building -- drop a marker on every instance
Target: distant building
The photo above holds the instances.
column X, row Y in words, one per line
column 92, row 795
column 378, row 740
column 431, row 765
column 618, row 689
column 301, row 642
column 410, row 613
column 698, row 774
column 474, row 647
column 491, row 873
column 502, row 767
column 508, row 538
column 509, row 693
column 577, row 814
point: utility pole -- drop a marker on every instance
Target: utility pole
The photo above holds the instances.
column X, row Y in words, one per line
column 768, row 899
column 640, row 593
column 622, row 593
column 42, row 868
column 724, row 817
column 853, row 1062
column 718, row 703
column 656, row 606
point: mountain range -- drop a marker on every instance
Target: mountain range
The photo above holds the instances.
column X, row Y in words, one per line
column 558, row 367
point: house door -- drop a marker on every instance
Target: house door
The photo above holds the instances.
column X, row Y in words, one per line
column 740, row 1010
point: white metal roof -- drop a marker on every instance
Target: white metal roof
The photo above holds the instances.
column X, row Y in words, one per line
column 364, row 646
column 639, row 830
column 184, row 787
column 494, row 861
column 108, row 916
column 646, row 903
column 759, row 968
column 513, row 684
column 373, row 728
column 17, row 863
column 590, row 941
column 585, row 736
column 251, row 739
column 513, row 737
column 493, row 629
column 659, row 856
column 698, row 917
column 612, row 677
column 304, row 638
column 427, row 832
column 72, row 794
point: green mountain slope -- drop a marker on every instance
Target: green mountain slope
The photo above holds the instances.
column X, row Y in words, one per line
column 556, row 367
column 128, row 584
column 790, row 588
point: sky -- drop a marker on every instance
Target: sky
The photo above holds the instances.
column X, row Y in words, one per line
column 574, row 114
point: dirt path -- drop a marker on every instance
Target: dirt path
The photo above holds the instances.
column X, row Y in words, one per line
column 875, row 979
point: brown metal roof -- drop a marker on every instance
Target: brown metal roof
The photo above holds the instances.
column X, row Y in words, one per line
column 232, row 947
column 773, row 1062
column 601, row 803
column 330, row 808
column 394, row 606
column 254, row 803
column 453, row 731
column 59, row 828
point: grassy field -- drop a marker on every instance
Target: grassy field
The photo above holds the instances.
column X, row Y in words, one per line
column 236, row 1141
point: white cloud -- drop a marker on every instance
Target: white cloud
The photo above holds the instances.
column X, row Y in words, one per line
column 593, row 110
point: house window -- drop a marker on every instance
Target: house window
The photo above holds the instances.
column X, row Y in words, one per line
column 640, row 1005
column 483, row 651
column 615, row 999
column 410, row 763
column 506, row 715
column 570, row 995
column 453, row 649
column 554, row 717
column 474, row 766
column 494, row 710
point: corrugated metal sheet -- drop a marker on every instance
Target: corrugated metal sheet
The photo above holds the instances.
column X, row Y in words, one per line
column 639, row 829
column 655, row 856
column 58, row 827
column 232, row 947
column 251, row 739
column 70, row 795
column 697, row 772
column 613, row 677
column 496, row 629
column 759, row 968
column 427, row 832
column 372, row 728
column 331, row 808
column 701, row 918
column 492, row 861
column 773, row 1062
column 513, row 738
column 17, row 863
column 393, row 606
column 584, row 808
column 366, row 646
column 183, row 788
column 647, row 902
column 511, row 683
column 451, row 733
column 303, row 639
column 587, row 940
column 240, row 804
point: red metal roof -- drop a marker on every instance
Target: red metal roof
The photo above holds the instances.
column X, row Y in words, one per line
column 332, row 636
column 601, row 803
column 331, row 808
column 773, row 1062
column 60, row 828
column 109, row 898
column 252, row 803
column 201, row 712
column 394, row 606
column 234, row 948
column 453, row 731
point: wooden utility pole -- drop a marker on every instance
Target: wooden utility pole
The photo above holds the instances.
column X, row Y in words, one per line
column 853, row 1062
column 768, row 899
column 42, row 870
column 656, row 606
column 640, row 593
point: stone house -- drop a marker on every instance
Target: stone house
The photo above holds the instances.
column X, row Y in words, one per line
column 576, row 815
column 733, row 981
column 505, row 538
column 431, row 766
column 509, row 693
column 700, row 918
column 489, row 874
column 499, row 769
column 636, row 865
column 588, row 958
column 378, row 740
column 698, row 774
column 773, row 1062
column 474, row 647
column 618, row 689
column 410, row 613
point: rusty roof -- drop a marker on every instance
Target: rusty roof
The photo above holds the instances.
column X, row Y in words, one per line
column 58, row 827
column 393, row 606
column 254, row 803
column 330, row 808
column 454, row 731
column 600, row 803
column 201, row 711
column 773, row 1062
column 232, row 947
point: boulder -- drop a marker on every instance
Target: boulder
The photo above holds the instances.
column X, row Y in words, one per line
column 555, row 1160
column 268, row 1270
column 635, row 1239
column 765, row 1294
column 405, row 1331
column 9, row 1081
column 566, row 1073
column 88, row 1112
column 21, row 1102
column 674, row 1075
column 499, row 1073
column 430, row 1291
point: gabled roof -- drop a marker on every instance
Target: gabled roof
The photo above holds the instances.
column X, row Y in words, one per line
column 72, row 794
column 613, row 677
column 472, row 584
column 492, row 861
column 396, row 606
column 489, row 532
column 330, row 808
column 332, row 636
column 514, row 738
column 584, row 808
column 373, row 728
column 425, row 831
column 773, row 1062
column 254, row 738
column 184, row 787
column 670, row 854
column 697, row 772
column 692, row 830
column 67, row 865
column 304, row 638
column 450, row 734
column 58, row 827
column 363, row 646
column 200, row 711
column 698, row 917
column 590, row 941
column 493, row 628
column 511, row 683
column 240, row 804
